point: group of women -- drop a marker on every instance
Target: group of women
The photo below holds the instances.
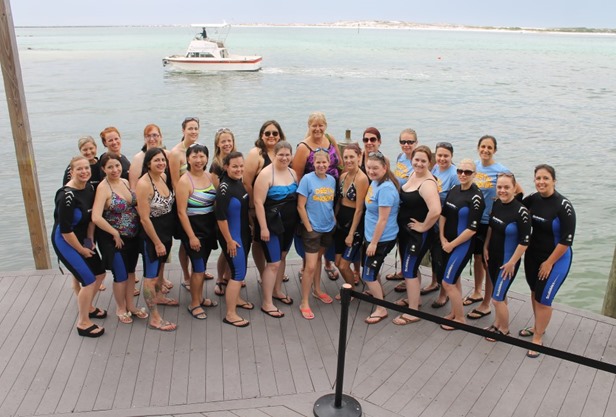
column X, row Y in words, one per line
column 352, row 202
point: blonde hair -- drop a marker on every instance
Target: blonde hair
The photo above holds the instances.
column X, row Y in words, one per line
column 76, row 159
column 314, row 116
column 468, row 161
column 84, row 140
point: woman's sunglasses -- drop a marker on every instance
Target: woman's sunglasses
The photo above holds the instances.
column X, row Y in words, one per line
column 466, row 172
column 408, row 142
column 371, row 140
column 273, row 133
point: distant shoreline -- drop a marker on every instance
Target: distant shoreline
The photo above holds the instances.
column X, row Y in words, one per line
column 390, row 25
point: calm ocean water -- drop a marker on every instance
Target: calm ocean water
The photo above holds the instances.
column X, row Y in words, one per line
column 546, row 98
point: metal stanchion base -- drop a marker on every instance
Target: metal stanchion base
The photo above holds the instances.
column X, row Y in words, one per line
column 324, row 407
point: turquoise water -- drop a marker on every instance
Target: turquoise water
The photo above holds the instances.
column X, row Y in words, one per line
column 546, row 97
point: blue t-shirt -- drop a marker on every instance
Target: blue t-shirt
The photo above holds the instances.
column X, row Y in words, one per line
column 486, row 181
column 319, row 193
column 404, row 169
column 384, row 195
column 445, row 180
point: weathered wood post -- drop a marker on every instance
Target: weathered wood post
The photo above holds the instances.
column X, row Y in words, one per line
column 609, row 300
column 22, row 137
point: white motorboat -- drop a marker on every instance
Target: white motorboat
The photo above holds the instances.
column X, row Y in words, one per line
column 210, row 54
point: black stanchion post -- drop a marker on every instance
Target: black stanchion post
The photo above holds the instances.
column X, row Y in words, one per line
column 338, row 404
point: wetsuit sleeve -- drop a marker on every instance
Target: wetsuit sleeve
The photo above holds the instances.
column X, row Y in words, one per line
column 566, row 216
column 67, row 176
column 477, row 207
column 524, row 226
column 66, row 208
column 223, row 196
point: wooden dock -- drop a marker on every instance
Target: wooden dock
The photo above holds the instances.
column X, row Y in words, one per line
column 280, row 367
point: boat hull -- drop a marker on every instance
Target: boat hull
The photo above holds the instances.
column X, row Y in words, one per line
column 238, row 63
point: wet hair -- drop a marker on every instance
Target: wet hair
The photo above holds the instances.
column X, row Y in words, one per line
column 468, row 161
column 374, row 131
column 424, row 149
column 227, row 159
column 389, row 175
column 282, row 144
column 196, row 148
column 548, row 168
column 259, row 143
column 484, row 137
column 316, row 115
column 409, row 131
column 84, row 140
column 108, row 130
column 190, row 119
column 352, row 147
column 76, row 159
column 106, row 157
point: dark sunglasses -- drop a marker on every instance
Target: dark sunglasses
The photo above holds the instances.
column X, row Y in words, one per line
column 445, row 145
column 466, row 172
column 273, row 133
column 371, row 140
column 408, row 142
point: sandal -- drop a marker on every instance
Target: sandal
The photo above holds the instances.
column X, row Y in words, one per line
column 136, row 292
column 284, row 300
column 375, row 319
column 164, row 326
column 246, row 306
column 169, row 302
column 527, row 332
column 140, row 313
column 428, row 290
column 285, row 278
column 400, row 287
column 533, row 353
column 207, row 303
column 97, row 313
column 219, row 288
column 332, row 273
column 236, row 323
column 394, row 276
column 125, row 318
column 323, row 297
column 475, row 314
column 307, row 313
column 90, row 331
column 403, row 321
column 186, row 285
column 208, row 276
column 497, row 331
column 272, row 313
column 470, row 300
column 436, row 304
column 198, row 316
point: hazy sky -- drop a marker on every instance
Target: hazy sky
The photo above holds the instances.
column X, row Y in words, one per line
column 524, row 13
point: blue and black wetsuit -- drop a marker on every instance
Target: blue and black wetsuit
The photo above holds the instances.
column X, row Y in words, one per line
column 510, row 225
column 232, row 206
column 73, row 214
column 462, row 210
column 553, row 220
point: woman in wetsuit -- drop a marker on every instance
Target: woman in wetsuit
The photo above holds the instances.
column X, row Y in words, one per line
column 380, row 226
column 72, row 237
column 155, row 198
column 276, row 208
column 232, row 217
column 548, row 258
column 506, row 242
column 195, row 196
column 117, row 221
column 110, row 136
column 87, row 148
column 420, row 208
column 458, row 224
column 349, row 232
column 258, row 158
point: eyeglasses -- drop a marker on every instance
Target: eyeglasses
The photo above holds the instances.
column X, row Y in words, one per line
column 376, row 154
column 191, row 119
column 466, row 172
column 273, row 133
column 153, row 135
column 445, row 145
column 371, row 140
column 505, row 174
column 408, row 142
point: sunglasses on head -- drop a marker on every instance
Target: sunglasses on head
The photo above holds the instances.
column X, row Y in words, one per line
column 371, row 140
column 505, row 174
column 273, row 133
column 466, row 172
column 191, row 119
column 407, row 142
column 376, row 154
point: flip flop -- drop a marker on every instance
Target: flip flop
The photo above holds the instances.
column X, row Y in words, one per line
column 436, row 304
column 470, row 300
column 405, row 320
column 219, row 288
column 285, row 278
column 533, row 353
column 125, row 318
column 307, row 313
column 198, row 316
column 246, row 306
column 323, row 297
column 447, row 328
column 400, row 287
column 497, row 331
column 136, row 292
column 272, row 312
column 394, row 276
column 427, row 290
column 169, row 302
column 186, row 285
column 331, row 273
column 140, row 313
column 208, row 276
column 284, row 300
column 475, row 314
column 526, row 332
column 235, row 323
column 377, row 319
column 164, row 326
column 97, row 313
column 403, row 302
column 89, row 332
column 208, row 303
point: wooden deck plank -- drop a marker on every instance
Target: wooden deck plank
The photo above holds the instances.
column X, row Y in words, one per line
column 214, row 388
column 163, row 374
column 181, row 346
column 249, row 379
column 230, row 360
column 596, row 403
column 196, row 378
